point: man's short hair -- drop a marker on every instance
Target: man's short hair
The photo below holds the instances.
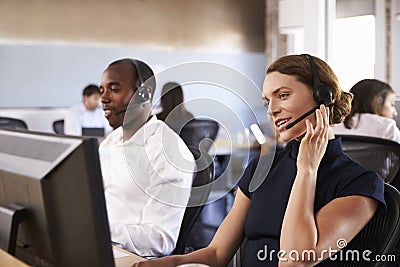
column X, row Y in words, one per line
column 91, row 89
column 146, row 73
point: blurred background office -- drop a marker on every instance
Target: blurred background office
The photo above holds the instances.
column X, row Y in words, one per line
column 58, row 46
column 88, row 114
column 217, row 50
column 372, row 111
column 173, row 111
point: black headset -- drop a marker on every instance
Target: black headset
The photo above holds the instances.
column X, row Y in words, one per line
column 322, row 94
column 143, row 94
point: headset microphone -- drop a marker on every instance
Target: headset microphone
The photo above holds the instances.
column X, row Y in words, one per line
column 131, row 107
column 305, row 115
column 120, row 112
column 322, row 94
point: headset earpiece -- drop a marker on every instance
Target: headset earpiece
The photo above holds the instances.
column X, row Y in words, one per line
column 143, row 93
column 322, row 94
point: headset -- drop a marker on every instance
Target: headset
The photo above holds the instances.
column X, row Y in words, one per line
column 143, row 93
column 322, row 94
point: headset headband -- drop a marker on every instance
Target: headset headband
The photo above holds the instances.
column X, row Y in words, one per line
column 138, row 72
column 314, row 70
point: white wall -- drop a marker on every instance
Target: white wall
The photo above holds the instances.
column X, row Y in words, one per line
column 302, row 20
column 395, row 59
column 309, row 22
column 37, row 119
column 53, row 76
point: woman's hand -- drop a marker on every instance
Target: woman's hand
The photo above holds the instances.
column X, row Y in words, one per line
column 161, row 262
column 314, row 143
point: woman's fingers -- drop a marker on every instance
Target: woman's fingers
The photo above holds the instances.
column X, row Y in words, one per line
column 320, row 130
column 322, row 122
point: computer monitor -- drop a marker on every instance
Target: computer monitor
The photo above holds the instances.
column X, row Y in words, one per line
column 58, row 180
column 92, row 131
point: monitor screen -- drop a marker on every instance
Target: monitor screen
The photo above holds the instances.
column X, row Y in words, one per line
column 58, row 180
column 96, row 132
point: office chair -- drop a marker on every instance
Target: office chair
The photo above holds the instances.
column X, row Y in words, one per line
column 381, row 155
column 381, row 234
column 199, row 133
column 203, row 175
column 58, row 126
column 13, row 123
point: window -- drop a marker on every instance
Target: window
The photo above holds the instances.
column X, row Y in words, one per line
column 353, row 53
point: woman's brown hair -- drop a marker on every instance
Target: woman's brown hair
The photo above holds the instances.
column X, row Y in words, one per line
column 299, row 66
column 369, row 97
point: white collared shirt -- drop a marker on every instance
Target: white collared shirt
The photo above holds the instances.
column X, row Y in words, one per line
column 147, row 181
column 78, row 116
column 372, row 125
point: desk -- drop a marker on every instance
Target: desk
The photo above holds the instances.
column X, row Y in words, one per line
column 125, row 261
column 10, row 261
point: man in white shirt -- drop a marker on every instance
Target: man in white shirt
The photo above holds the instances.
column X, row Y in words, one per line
column 88, row 114
column 147, row 168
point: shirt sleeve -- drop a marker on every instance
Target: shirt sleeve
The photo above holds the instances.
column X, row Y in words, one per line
column 368, row 184
column 244, row 182
column 393, row 133
column 157, row 230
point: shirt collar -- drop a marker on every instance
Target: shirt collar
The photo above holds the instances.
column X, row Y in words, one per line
column 144, row 132
column 333, row 149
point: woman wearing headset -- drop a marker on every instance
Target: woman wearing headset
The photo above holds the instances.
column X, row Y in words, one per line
column 312, row 197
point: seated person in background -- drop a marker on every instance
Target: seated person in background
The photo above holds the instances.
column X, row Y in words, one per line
column 147, row 168
column 313, row 195
column 174, row 113
column 88, row 114
column 372, row 111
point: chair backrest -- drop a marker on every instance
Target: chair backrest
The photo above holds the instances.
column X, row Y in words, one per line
column 381, row 155
column 58, row 126
column 380, row 235
column 200, row 133
column 203, row 175
column 6, row 122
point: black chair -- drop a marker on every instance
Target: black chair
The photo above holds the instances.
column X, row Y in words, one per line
column 200, row 133
column 203, row 175
column 380, row 235
column 58, row 126
column 381, row 155
column 12, row 123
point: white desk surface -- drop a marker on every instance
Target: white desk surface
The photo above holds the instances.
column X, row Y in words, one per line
column 126, row 261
